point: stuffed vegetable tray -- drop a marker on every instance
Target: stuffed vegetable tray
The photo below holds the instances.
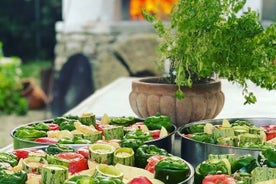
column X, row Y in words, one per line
column 97, row 163
column 87, row 129
column 226, row 136
column 234, row 168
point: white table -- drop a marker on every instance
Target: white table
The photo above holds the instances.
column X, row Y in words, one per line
column 113, row 100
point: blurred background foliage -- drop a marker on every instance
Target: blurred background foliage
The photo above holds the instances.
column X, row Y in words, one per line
column 28, row 28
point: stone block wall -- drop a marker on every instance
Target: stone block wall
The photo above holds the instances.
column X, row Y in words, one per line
column 114, row 53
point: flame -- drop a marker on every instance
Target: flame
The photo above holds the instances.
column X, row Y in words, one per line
column 161, row 8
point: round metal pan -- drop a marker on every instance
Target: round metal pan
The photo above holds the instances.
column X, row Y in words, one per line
column 195, row 152
column 164, row 142
column 189, row 180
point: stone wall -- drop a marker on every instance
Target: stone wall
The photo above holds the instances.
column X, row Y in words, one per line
column 120, row 51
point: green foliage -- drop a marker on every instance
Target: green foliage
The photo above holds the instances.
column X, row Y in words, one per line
column 10, row 88
column 207, row 36
column 28, row 28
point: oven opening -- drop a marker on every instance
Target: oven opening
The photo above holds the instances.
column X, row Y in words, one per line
column 131, row 9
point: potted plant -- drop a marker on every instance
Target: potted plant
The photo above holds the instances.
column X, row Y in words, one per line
column 207, row 38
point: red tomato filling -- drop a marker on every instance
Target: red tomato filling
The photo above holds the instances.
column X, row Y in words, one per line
column 77, row 161
column 270, row 131
column 84, row 152
column 24, row 153
column 46, row 140
column 53, row 126
column 155, row 134
column 140, row 180
column 152, row 161
column 218, row 179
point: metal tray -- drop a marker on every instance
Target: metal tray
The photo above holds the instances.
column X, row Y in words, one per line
column 189, row 180
column 164, row 142
column 195, row 152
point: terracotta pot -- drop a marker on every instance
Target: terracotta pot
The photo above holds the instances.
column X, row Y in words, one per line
column 202, row 101
column 35, row 96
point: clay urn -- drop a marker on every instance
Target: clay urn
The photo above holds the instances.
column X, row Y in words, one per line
column 152, row 95
column 35, row 96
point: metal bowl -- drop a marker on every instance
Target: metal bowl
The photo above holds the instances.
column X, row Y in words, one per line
column 189, row 180
column 196, row 152
column 164, row 142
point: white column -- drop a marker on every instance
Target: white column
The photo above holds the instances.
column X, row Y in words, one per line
column 82, row 11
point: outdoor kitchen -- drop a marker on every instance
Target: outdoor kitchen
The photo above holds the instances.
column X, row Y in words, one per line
column 113, row 35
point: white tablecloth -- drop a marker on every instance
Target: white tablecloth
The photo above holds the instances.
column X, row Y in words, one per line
column 113, row 100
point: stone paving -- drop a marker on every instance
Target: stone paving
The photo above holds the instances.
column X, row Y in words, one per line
column 9, row 122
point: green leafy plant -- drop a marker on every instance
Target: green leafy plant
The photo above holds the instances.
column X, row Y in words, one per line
column 206, row 37
column 11, row 100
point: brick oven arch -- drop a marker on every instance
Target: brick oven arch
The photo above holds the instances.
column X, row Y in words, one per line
column 72, row 85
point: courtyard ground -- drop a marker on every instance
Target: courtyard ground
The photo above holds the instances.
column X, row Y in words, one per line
column 9, row 122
